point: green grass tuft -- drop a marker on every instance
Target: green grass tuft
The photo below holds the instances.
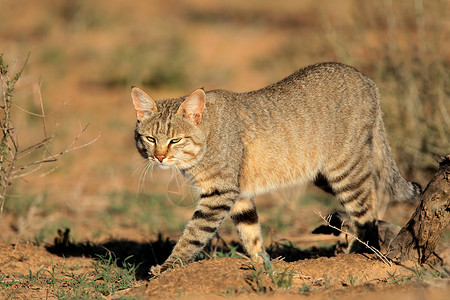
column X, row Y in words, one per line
column 107, row 278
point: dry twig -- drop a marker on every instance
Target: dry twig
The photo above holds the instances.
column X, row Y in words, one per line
column 12, row 156
column 374, row 250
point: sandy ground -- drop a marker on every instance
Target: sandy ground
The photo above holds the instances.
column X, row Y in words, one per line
column 349, row 276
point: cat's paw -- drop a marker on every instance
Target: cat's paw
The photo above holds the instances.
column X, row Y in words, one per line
column 158, row 270
column 155, row 271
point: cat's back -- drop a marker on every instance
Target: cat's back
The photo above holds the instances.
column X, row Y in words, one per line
column 330, row 91
column 320, row 83
column 312, row 85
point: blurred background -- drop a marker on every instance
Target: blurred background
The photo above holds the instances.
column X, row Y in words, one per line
column 84, row 56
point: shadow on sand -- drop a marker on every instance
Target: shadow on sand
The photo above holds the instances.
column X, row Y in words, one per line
column 145, row 255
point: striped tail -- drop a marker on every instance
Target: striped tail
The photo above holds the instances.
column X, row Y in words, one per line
column 391, row 186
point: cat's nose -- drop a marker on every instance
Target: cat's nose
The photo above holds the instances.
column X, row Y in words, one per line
column 160, row 157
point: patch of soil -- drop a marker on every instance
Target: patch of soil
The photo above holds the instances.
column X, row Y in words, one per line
column 341, row 276
column 236, row 276
column 17, row 261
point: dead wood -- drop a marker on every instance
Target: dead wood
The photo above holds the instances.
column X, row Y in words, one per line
column 418, row 239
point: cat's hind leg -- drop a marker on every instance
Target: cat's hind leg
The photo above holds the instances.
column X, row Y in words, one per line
column 353, row 182
column 245, row 219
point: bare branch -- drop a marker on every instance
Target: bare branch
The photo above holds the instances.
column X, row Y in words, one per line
column 49, row 171
column 31, row 149
column 11, row 155
column 85, row 144
column 64, row 104
column 54, row 157
column 42, row 110
column 12, row 177
column 27, row 111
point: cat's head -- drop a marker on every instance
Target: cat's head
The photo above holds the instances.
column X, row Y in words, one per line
column 168, row 132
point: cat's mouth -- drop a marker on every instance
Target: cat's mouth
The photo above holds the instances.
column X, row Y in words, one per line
column 164, row 164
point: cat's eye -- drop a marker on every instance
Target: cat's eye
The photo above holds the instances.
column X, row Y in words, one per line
column 174, row 141
column 151, row 139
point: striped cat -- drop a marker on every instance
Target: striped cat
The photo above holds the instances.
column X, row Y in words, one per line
column 322, row 122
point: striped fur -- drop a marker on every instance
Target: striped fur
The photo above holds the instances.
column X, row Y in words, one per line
column 323, row 123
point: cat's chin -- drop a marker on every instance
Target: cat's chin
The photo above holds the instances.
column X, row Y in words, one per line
column 163, row 167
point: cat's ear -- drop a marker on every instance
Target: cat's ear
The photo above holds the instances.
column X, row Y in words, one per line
column 192, row 107
column 143, row 103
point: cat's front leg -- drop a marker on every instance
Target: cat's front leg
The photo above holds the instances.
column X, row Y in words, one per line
column 211, row 211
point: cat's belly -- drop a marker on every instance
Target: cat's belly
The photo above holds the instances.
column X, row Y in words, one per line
column 266, row 169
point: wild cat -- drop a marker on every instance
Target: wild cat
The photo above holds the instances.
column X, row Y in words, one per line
column 322, row 122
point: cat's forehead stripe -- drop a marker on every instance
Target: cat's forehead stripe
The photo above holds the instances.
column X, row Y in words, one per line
column 156, row 126
column 166, row 126
column 161, row 126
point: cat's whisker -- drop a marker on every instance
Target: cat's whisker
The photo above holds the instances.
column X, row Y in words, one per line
column 177, row 177
column 186, row 186
column 174, row 192
column 144, row 176
column 176, row 188
column 142, row 171
column 150, row 171
column 148, row 167
column 190, row 187
column 139, row 167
